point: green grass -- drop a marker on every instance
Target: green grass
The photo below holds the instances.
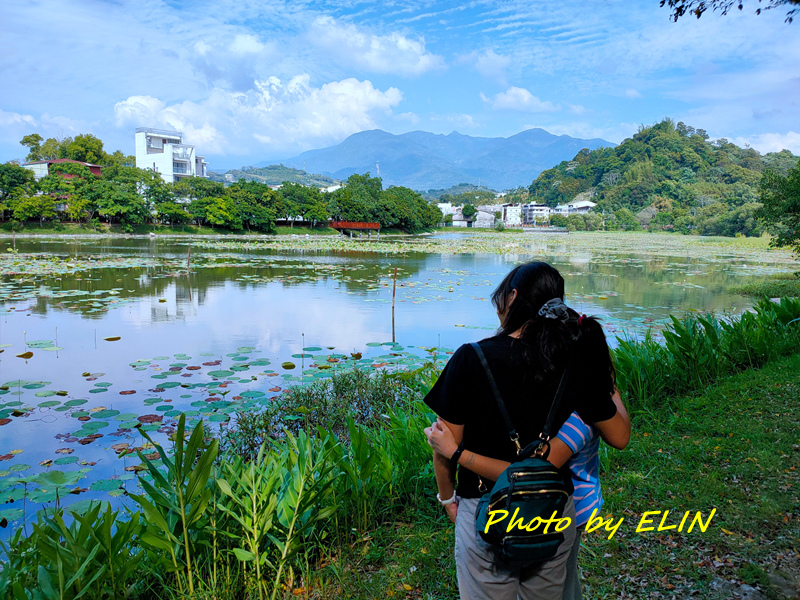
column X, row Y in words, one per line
column 106, row 229
column 298, row 230
column 780, row 285
column 733, row 447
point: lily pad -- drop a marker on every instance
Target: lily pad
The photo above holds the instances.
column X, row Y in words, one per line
column 105, row 485
column 288, row 365
column 220, row 373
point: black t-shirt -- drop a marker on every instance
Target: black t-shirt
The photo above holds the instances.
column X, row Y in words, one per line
column 462, row 396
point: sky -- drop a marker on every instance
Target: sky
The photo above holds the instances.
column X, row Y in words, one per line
column 248, row 81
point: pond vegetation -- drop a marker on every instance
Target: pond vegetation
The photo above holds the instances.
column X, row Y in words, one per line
column 302, row 480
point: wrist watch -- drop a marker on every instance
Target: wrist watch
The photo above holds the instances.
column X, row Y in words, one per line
column 446, row 502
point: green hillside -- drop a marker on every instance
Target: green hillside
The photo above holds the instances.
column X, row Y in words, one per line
column 447, row 194
column 273, row 175
column 667, row 177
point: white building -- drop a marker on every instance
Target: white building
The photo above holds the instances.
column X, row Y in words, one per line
column 480, row 220
column 446, row 207
column 512, row 215
column 535, row 213
column 164, row 152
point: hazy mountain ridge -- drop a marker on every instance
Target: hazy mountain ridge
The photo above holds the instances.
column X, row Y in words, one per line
column 422, row 160
column 272, row 175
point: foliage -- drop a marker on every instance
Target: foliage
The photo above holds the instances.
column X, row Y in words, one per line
column 780, row 197
column 668, row 176
column 476, row 196
column 468, row 211
column 458, row 190
column 274, row 175
column 700, row 350
column 175, row 503
column 680, row 8
column 780, row 285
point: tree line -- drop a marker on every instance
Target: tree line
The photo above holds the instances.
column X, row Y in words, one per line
column 128, row 196
column 668, row 177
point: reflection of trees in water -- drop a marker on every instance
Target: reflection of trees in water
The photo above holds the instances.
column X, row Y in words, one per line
column 654, row 282
column 137, row 283
column 641, row 280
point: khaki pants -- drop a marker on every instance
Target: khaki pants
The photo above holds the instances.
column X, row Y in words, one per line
column 572, row 585
column 482, row 576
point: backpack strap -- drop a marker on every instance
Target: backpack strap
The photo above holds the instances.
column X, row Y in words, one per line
column 544, row 436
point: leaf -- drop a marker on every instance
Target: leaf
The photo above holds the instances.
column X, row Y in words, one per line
column 112, row 339
column 25, row 355
column 243, row 555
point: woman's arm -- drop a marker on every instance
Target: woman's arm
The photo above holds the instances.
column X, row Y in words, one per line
column 444, row 438
column 444, row 470
column 616, row 431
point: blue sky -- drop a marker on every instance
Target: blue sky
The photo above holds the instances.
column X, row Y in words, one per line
column 254, row 80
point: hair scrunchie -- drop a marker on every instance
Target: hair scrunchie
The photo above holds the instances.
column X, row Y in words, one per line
column 554, row 309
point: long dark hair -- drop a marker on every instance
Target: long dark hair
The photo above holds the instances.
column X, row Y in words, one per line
column 548, row 343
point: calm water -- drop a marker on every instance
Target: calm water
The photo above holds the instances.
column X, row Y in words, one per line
column 238, row 315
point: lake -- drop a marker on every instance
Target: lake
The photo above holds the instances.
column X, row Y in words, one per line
column 120, row 333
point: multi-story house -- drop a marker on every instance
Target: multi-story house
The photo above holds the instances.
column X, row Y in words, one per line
column 164, row 152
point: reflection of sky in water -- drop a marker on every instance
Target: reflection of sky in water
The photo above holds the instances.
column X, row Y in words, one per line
column 278, row 304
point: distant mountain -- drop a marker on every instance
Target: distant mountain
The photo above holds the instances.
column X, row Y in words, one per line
column 272, row 175
column 422, row 160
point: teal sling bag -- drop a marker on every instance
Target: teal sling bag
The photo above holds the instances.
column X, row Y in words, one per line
column 522, row 516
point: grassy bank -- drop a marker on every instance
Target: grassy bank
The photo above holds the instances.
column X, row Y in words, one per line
column 329, row 493
column 779, row 285
column 58, row 228
column 733, row 447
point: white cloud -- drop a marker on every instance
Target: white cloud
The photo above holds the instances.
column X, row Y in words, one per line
column 408, row 116
column 577, row 109
column 246, row 44
column 279, row 114
column 392, row 53
column 462, row 120
column 520, row 99
column 631, row 93
column 488, row 63
column 771, row 142
column 12, row 118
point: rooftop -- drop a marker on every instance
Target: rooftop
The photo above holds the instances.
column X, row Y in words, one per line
column 160, row 131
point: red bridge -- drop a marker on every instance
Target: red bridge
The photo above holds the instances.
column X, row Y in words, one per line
column 355, row 225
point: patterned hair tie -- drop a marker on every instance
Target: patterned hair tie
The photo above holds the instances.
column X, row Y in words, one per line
column 581, row 318
column 554, row 309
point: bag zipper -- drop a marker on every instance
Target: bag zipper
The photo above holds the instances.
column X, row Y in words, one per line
column 521, row 492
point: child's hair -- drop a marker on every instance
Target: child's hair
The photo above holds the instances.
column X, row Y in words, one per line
column 549, row 341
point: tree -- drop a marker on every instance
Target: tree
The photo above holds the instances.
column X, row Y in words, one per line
column 34, row 144
column 780, row 212
column 39, row 206
column 680, row 8
column 468, row 211
column 12, row 178
column 86, row 148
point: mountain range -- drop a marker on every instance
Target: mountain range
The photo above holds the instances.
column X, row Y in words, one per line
column 421, row 160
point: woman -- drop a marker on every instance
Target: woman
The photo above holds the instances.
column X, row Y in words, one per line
column 538, row 337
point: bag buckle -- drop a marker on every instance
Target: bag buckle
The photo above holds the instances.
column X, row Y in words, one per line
column 515, row 439
column 543, row 449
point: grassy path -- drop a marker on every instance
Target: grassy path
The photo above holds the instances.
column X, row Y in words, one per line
column 734, row 447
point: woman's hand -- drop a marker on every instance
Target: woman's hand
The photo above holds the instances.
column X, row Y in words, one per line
column 441, row 439
column 452, row 511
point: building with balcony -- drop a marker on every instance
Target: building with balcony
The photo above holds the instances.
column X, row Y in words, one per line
column 41, row 168
column 164, row 152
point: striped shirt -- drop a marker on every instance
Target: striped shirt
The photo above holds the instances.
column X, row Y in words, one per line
column 584, row 466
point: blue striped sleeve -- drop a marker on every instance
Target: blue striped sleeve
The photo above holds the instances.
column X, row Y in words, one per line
column 575, row 433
